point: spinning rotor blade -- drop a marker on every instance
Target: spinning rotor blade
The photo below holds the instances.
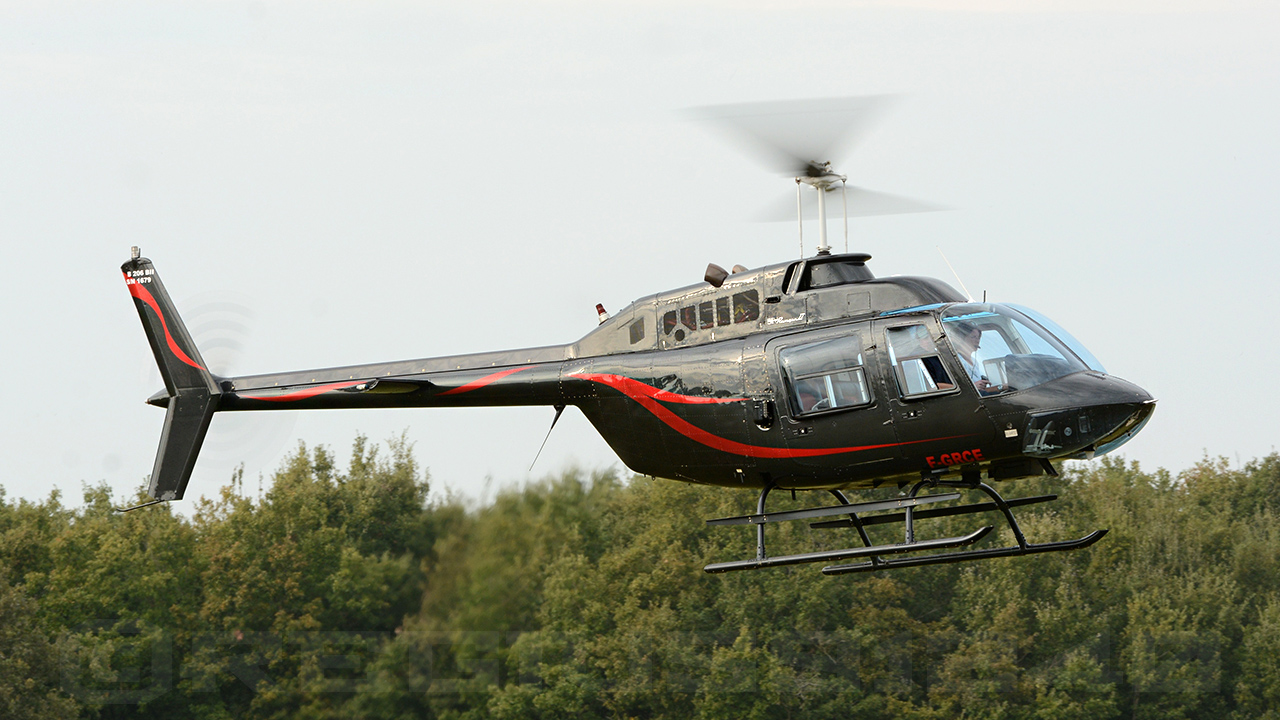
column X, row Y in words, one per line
column 223, row 328
column 788, row 136
column 862, row 203
column 220, row 329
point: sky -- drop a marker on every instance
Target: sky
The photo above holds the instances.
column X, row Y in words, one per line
column 328, row 183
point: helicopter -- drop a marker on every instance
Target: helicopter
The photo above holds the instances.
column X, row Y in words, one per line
column 806, row 375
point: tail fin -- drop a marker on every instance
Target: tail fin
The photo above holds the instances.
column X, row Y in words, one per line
column 193, row 390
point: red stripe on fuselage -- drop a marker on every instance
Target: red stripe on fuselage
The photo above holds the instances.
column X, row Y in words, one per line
column 145, row 296
column 486, row 380
column 648, row 400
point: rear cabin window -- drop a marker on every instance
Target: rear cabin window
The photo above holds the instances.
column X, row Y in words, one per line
column 723, row 316
column 706, row 316
column 746, row 306
column 916, row 364
column 689, row 317
column 825, row 375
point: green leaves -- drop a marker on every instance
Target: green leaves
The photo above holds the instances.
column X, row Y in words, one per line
column 348, row 593
column 28, row 662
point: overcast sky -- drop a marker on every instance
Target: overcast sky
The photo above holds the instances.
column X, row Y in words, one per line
column 333, row 183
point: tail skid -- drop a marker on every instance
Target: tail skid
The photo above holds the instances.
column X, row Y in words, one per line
column 193, row 391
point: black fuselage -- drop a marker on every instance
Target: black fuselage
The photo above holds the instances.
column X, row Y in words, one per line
column 708, row 385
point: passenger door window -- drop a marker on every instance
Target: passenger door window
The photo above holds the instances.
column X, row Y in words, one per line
column 916, row 363
column 826, row 375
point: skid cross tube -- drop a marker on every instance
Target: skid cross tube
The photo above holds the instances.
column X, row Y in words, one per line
column 760, row 519
column 760, row 529
column 932, row 512
column 909, row 510
column 845, row 508
column 856, row 522
column 998, row 502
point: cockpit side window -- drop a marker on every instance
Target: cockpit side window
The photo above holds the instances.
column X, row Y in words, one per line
column 916, row 364
column 637, row 331
column 826, row 375
column 1012, row 352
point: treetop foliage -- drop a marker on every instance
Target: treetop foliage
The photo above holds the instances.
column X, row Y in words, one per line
column 351, row 592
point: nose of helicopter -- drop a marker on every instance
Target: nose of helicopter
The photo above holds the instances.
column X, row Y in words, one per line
column 1104, row 413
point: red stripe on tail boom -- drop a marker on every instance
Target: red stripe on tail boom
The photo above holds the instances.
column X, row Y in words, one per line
column 307, row 392
column 486, row 380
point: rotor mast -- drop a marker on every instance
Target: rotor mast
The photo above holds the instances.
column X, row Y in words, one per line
column 819, row 177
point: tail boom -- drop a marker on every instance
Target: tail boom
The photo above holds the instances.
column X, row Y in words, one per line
column 193, row 394
column 404, row 384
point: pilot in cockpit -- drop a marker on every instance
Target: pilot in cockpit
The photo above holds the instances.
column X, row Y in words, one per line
column 966, row 339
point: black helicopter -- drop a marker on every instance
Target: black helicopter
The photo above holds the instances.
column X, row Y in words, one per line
column 805, row 375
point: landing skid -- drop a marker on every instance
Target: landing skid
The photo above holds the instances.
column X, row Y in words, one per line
column 909, row 510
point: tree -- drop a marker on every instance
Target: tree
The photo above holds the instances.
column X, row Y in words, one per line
column 29, row 687
column 321, row 571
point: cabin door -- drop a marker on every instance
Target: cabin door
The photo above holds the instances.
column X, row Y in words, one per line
column 933, row 406
column 832, row 413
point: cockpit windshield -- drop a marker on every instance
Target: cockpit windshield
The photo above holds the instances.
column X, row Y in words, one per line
column 1004, row 350
column 1080, row 350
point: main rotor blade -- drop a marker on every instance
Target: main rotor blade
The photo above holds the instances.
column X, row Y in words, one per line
column 862, row 203
column 788, row 135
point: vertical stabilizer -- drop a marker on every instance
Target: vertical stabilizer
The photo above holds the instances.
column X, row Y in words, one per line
column 192, row 389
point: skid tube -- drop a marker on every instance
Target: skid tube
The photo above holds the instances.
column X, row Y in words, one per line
column 909, row 514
